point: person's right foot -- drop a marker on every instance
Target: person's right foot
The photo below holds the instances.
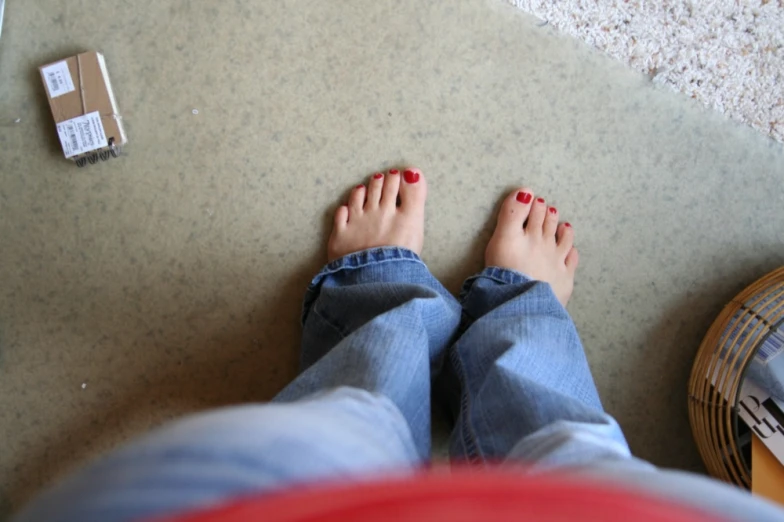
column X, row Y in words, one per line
column 529, row 239
column 388, row 212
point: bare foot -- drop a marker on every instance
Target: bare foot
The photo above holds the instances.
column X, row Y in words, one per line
column 542, row 249
column 373, row 217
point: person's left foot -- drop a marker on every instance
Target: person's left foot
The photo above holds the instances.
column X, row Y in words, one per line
column 373, row 217
column 529, row 239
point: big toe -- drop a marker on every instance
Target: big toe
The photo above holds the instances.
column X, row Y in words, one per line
column 514, row 211
column 413, row 190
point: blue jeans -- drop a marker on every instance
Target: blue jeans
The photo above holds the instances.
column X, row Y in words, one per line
column 379, row 334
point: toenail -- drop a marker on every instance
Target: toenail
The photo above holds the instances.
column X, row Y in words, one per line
column 540, row 200
column 552, row 210
column 410, row 176
column 524, row 197
column 360, row 187
column 568, row 225
column 394, row 171
column 378, row 175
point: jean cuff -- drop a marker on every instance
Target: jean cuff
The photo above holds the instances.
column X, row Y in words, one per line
column 498, row 275
column 354, row 262
column 371, row 256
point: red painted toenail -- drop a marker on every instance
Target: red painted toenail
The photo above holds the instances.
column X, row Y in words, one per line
column 540, row 200
column 524, row 197
column 410, row 176
column 360, row 186
column 552, row 210
column 394, row 171
column 378, row 175
column 568, row 225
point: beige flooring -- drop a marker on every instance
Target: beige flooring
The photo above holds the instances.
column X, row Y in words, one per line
column 170, row 280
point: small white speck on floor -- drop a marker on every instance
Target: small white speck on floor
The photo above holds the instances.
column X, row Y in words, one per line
column 210, row 212
column 84, row 385
column 195, row 111
column 18, row 120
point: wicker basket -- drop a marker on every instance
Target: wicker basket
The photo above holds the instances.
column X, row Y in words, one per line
column 717, row 375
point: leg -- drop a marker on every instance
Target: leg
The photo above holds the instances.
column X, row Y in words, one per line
column 525, row 381
column 208, row 458
column 377, row 319
column 376, row 325
column 527, row 392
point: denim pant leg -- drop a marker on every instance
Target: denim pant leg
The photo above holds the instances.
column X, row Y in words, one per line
column 528, row 397
column 205, row 459
column 526, row 385
column 376, row 325
column 377, row 320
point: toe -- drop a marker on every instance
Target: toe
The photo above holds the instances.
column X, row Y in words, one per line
column 564, row 237
column 375, row 186
column 572, row 260
column 550, row 222
column 413, row 190
column 536, row 217
column 356, row 200
column 341, row 217
column 391, row 189
column 515, row 210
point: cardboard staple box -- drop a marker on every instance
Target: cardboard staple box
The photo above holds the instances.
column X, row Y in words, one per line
column 84, row 108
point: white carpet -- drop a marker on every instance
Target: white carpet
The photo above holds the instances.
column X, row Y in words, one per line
column 729, row 55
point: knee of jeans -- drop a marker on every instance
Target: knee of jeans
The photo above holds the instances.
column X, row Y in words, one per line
column 355, row 400
column 571, row 444
column 248, row 425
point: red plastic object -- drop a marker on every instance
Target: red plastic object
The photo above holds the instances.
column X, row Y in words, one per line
column 460, row 496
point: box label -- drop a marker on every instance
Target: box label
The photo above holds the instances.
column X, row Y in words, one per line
column 82, row 134
column 762, row 413
column 58, row 79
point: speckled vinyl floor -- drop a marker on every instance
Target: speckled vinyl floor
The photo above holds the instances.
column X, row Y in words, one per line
column 170, row 280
